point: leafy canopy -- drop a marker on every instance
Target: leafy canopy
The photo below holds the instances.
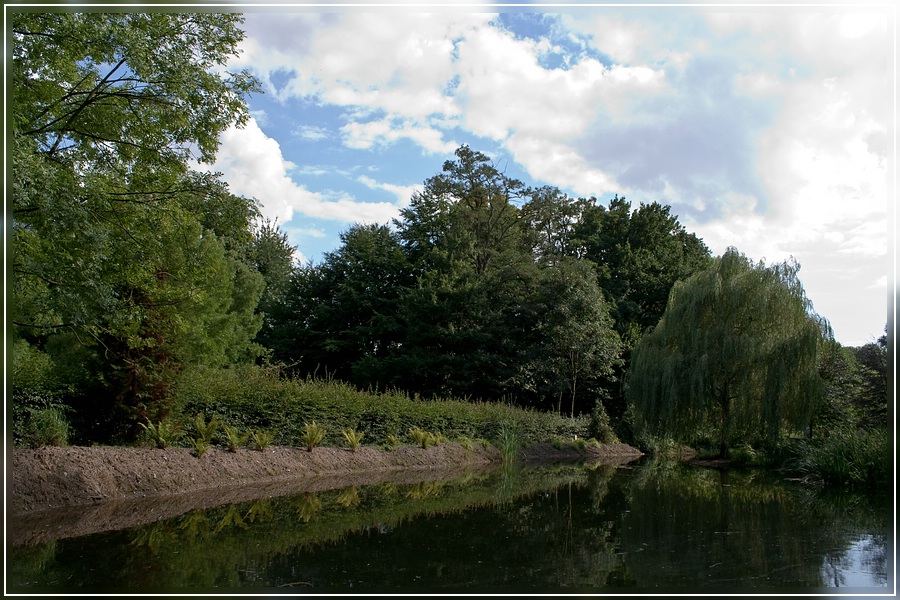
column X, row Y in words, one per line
column 734, row 357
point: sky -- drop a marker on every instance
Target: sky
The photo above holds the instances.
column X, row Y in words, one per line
column 769, row 129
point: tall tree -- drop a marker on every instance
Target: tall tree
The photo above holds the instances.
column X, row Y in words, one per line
column 733, row 358
column 345, row 309
column 639, row 255
column 116, row 242
column 576, row 344
column 550, row 217
column 272, row 255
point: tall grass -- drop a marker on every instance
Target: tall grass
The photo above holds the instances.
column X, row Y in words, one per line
column 508, row 441
column 860, row 459
column 48, row 427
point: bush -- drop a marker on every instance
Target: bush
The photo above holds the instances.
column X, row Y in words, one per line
column 260, row 440
column 262, row 397
column 353, row 438
column 233, row 438
column 599, row 427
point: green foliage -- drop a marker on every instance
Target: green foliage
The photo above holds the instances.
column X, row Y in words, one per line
column 109, row 112
column 735, row 353
column 313, row 434
column 48, row 427
column 205, row 430
column 260, row 440
column 846, row 458
column 467, row 297
column 422, row 438
column 262, row 397
column 200, row 446
column 600, row 429
column 354, row 439
column 163, row 434
column 392, row 442
column 640, row 254
column 234, row 439
column 509, row 441
column 466, row 442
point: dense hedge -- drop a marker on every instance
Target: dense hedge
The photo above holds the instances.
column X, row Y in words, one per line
column 261, row 398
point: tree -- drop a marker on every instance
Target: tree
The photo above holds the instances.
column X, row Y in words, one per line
column 117, row 244
column 550, row 217
column 575, row 342
column 337, row 313
column 735, row 353
column 872, row 402
column 465, row 213
column 639, row 255
column 272, row 255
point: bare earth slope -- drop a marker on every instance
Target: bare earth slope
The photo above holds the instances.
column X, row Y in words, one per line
column 60, row 492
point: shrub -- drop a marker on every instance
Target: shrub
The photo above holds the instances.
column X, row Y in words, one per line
column 425, row 438
column 844, row 458
column 233, row 438
column 392, row 441
column 200, row 446
column 205, row 430
column 599, row 427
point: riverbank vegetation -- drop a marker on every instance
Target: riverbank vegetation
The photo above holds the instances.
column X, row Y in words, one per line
column 145, row 295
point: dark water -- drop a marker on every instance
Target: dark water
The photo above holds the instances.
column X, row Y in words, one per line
column 645, row 528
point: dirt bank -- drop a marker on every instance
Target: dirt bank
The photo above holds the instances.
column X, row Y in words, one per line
column 59, row 492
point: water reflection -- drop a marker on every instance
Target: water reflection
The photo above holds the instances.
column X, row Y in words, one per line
column 862, row 563
column 652, row 526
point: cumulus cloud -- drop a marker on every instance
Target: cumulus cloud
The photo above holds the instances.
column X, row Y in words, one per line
column 404, row 193
column 253, row 166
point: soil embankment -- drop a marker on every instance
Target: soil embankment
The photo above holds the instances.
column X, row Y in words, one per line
column 54, row 492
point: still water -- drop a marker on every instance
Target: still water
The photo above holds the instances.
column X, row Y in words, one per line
column 647, row 527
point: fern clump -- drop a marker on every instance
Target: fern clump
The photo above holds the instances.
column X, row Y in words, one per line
column 233, row 438
column 163, row 434
column 313, row 434
column 353, row 438
column 260, row 440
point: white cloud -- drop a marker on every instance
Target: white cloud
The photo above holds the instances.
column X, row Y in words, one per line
column 766, row 128
column 385, row 131
column 253, row 166
column 311, row 132
column 403, row 193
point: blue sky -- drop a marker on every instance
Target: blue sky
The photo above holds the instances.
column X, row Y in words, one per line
column 770, row 129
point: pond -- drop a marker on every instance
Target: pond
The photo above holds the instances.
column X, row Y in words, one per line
column 646, row 527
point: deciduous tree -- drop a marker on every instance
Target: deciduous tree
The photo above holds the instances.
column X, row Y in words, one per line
column 734, row 357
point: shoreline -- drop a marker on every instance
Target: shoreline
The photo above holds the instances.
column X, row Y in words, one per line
column 54, row 492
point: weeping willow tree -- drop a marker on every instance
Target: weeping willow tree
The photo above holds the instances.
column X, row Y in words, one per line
column 733, row 358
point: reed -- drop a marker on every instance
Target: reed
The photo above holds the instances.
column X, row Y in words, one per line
column 508, row 442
